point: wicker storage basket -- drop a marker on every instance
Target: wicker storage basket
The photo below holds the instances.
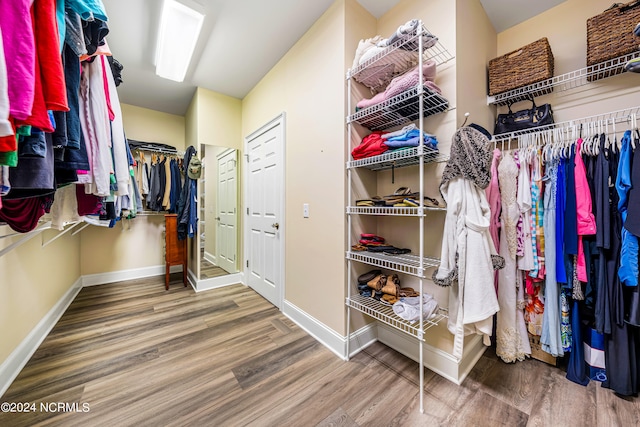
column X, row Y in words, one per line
column 610, row 34
column 529, row 64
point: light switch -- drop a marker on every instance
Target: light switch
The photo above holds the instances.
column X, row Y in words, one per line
column 305, row 210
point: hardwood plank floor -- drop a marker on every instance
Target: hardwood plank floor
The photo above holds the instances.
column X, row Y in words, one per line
column 136, row 354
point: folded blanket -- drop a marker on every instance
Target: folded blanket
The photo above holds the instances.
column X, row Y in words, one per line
column 407, row 31
column 411, row 79
column 411, row 139
column 402, row 131
column 405, row 82
column 381, row 70
column 408, row 308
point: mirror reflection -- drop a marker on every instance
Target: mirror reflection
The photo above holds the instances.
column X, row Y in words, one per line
column 218, row 204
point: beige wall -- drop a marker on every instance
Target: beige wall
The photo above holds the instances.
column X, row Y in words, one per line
column 565, row 27
column 147, row 125
column 308, row 85
column 218, row 119
column 32, row 281
column 476, row 45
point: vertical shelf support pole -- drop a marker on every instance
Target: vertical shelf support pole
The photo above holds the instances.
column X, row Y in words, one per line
column 349, row 221
column 421, row 218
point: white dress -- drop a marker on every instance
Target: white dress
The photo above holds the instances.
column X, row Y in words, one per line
column 510, row 344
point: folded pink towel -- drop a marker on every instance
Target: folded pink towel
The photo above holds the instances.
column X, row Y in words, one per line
column 373, row 101
column 410, row 79
column 405, row 82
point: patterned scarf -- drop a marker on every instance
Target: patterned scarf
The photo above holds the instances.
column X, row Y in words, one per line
column 470, row 158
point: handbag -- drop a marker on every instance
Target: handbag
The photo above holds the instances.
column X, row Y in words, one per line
column 533, row 117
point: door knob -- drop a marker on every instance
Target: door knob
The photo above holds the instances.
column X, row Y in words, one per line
column 276, row 226
column 217, row 218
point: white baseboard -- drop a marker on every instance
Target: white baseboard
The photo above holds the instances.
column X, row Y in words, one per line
column 19, row 357
column 435, row 359
column 218, row 282
column 362, row 338
column 134, row 273
column 210, row 257
column 321, row 332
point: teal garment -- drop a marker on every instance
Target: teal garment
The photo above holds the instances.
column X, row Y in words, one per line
column 62, row 23
column 88, row 10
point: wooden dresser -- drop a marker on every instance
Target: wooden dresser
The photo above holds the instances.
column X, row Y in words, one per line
column 175, row 252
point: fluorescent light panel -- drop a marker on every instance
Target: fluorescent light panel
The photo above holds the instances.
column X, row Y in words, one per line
column 179, row 31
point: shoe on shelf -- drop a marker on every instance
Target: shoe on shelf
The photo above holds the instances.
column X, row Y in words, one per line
column 633, row 65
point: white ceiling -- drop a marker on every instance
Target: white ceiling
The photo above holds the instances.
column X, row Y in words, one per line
column 240, row 42
column 504, row 16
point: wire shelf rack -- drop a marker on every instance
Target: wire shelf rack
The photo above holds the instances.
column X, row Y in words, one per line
column 391, row 210
column 406, row 263
column 565, row 81
column 400, row 109
column 384, row 313
column 620, row 116
column 398, row 158
column 397, row 58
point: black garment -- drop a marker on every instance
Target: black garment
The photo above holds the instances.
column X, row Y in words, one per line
column 154, row 187
column 34, row 176
column 184, row 206
column 632, row 223
column 116, row 70
column 620, row 345
column 602, row 210
column 94, row 33
column 570, row 212
column 162, row 179
column 176, row 185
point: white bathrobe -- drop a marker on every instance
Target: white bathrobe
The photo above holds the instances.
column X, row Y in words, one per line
column 472, row 297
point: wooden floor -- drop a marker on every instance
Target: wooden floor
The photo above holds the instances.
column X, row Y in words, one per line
column 133, row 354
column 209, row 270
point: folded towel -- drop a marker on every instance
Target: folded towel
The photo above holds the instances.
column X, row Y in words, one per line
column 402, row 131
column 410, row 79
column 408, row 308
column 403, row 83
column 405, row 32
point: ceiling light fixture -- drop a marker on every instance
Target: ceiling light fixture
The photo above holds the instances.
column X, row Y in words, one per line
column 180, row 28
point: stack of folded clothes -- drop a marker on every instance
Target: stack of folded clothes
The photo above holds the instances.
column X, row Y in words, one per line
column 408, row 307
column 396, row 61
column 373, row 243
column 385, row 288
column 405, row 82
column 377, row 142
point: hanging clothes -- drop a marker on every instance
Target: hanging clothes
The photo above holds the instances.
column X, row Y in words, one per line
column 510, row 344
column 493, row 196
column 550, row 339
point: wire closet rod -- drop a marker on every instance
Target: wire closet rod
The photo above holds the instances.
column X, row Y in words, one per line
column 619, row 116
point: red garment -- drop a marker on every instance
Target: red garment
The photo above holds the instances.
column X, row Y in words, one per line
column 9, row 142
column 22, row 215
column 88, row 204
column 48, row 55
column 371, row 145
column 39, row 116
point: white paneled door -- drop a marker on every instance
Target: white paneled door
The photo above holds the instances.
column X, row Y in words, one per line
column 264, row 207
column 226, row 214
